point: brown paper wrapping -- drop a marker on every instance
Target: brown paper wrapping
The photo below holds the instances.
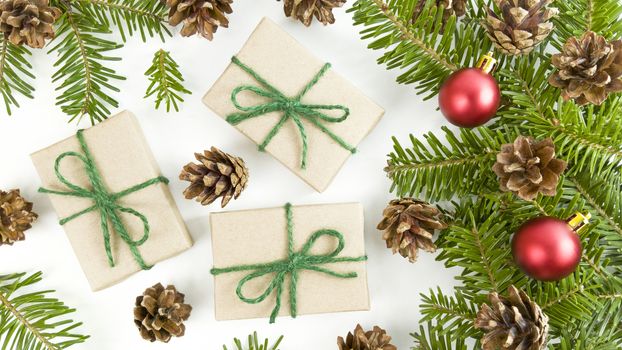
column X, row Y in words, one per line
column 260, row 236
column 287, row 65
column 124, row 159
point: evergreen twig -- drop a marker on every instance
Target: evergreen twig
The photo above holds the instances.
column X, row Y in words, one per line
column 147, row 17
column 166, row 81
column 15, row 71
column 86, row 82
column 254, row 344
column 33, row 320
column 429, row 338
column 438, row 172
column 417, row 48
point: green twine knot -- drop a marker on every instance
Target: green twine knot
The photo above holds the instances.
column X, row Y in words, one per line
column 296, row 261
column 105, row 202
column 291, row 107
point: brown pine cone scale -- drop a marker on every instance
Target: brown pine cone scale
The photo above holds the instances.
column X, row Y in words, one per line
column 376, row 339
column 16, row 216
column 160, row 313
column 409, row 225
column 28, row 22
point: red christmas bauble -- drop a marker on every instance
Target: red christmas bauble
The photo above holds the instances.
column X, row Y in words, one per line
column 546, row 249
column 469, row 97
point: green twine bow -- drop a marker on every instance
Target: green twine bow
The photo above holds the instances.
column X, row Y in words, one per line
column 291, row 107
column 295, row 262
column 105, row 202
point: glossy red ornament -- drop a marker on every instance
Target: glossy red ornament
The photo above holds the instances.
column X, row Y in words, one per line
column 470, row 97
column 548, row 249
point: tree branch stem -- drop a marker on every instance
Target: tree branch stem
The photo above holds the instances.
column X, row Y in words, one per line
column 9, row 306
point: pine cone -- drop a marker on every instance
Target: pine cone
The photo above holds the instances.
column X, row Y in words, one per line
column 589, row 69
column 218, row 174
column 16, row 216
column 457, row 7
column 28, row 21
column 304, row 10
column 522, row 25
column 199, row 16
column 512, row 323
column 408, row 225
column 160, row 313
column 527, row 167
column 376, row 339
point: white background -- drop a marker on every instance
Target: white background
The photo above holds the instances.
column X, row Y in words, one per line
column 394, row 283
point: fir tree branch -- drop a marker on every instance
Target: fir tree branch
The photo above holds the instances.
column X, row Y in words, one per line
column 601, row 332
column 603, row 199
column 589, row 139
column 560, row 298
column 166, row 81
column 410, row 35
column 453, row 316
column 86, row 82
column 417, row 47
column 34, row 320
column 149, row 17
column 579, row 16
column 254, row 344
column 478, row 241
column 525, row 83
column 430, row 338
column 15, row 70
column 438, row 172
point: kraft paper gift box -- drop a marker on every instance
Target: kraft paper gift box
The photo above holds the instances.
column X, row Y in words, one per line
column 285, row 64
column 123, row 159
column 260, row 237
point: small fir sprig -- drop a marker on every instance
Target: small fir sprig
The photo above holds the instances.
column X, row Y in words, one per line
column 15, row 73
column 147, row 17
column 254, row 344
column 166, row 81
column 86, row 84
column 34, row 320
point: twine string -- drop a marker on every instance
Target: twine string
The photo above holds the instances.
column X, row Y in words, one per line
column 104, row 202
column 295, row 261
column 292, row 108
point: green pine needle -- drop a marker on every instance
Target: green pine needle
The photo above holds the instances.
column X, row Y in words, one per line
column 166, row 81
column 33, row 320
column 15, row 73
column 254, row 344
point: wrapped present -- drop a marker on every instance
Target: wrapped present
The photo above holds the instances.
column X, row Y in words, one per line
column 293, row 105
column 289, row 261
column 115, row 206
